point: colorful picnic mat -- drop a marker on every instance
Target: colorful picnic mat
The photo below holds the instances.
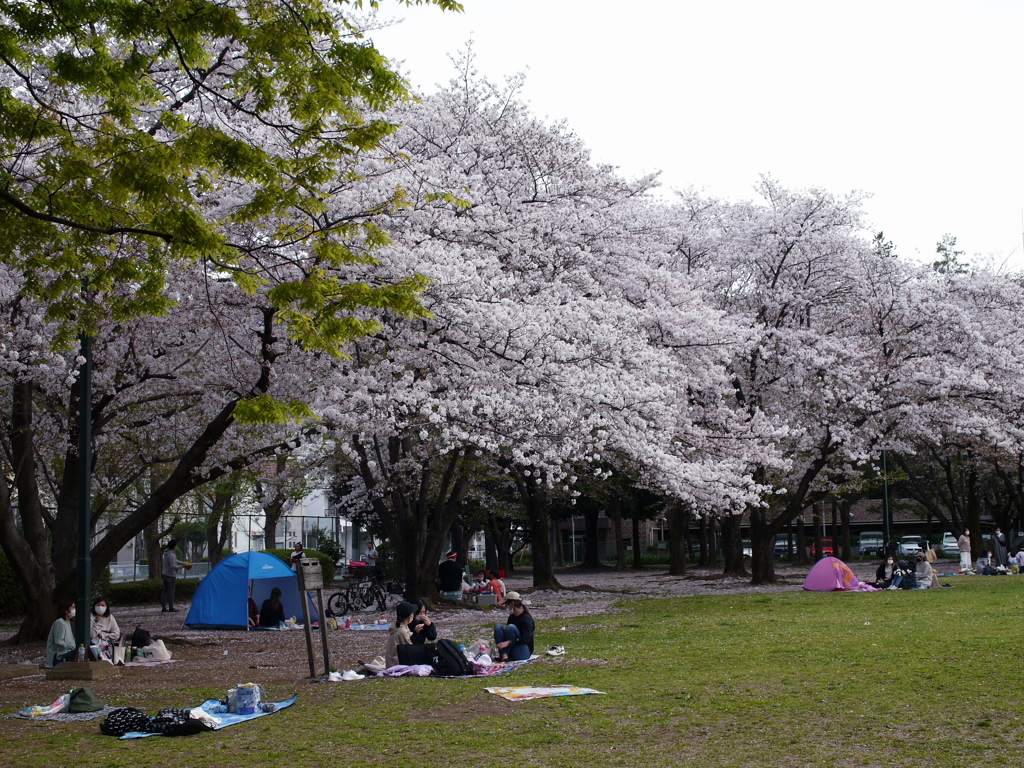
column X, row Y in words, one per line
column 226, row 718
column 527, row 692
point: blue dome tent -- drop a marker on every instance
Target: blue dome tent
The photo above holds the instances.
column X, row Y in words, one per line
column 221, row 602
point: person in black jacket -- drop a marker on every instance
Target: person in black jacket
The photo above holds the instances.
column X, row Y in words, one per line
column 272, row 612
column 449, row 577
column 423, row 629
column 514, row 639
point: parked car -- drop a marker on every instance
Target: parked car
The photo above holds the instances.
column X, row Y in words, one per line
column 748, row 549
column 781, row 545
column 826, row 547
column 949, row 546
column 911, row 545
column 872, row 543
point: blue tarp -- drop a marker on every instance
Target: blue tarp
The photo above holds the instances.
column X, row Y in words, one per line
column 225, row 718
column 221, row 602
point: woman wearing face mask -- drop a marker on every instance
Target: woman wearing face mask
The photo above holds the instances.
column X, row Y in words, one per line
column 104, row 630
column 60, row 645
column 884, row 574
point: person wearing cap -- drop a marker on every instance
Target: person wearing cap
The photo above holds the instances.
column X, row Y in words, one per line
column 449, row 577
column 514, row 639
column 399, row 632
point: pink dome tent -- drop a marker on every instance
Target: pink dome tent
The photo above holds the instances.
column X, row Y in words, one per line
column 830, row 574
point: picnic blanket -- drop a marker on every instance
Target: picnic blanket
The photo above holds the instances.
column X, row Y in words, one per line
column 65, row 717
column 150, row 663
column 527, row 692
column 366, row 627
column 489, row 670
column 226, row 718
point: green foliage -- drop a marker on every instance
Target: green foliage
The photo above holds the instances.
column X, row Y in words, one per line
column 119, row 135
column 326, row 563
column 12, row 596
column 148, row 591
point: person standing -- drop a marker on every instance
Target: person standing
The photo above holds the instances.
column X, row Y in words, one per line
column 170, row 576
column 371, row 556
column 964, row 545
column 999, row 549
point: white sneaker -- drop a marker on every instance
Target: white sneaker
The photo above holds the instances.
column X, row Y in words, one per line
column 556, row 650
column 351, row 674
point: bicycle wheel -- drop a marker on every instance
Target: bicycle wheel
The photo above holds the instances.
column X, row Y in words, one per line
column 379, row 596
column 337, row 605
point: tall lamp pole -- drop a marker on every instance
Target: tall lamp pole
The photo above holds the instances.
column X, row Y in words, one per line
column 84, row 570
column 885, row 501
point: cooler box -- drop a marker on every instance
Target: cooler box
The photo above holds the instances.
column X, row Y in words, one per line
column 487, row 599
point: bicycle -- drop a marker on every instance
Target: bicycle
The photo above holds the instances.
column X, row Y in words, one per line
column 362, row 589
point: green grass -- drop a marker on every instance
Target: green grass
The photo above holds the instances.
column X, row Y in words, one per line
column 787, row 679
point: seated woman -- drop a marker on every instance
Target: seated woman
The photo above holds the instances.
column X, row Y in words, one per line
column 60, row 645
column 103, row 627
column 254, row 613
column 514, row 639
column 399, row 632
column 885, row 572
column 926, row 577
column 272, row 612
column 423, row 629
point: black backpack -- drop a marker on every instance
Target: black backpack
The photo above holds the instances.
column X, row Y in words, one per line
column 417, row 654
column 451, row 661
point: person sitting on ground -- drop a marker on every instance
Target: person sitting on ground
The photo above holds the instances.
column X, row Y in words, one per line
column 103, row 627
column 984, row 562
column 926, row 577
column 399, row 632
column 449, row 577
column 514, row 639
column 1020, row 561
column 478, row 585
column 884, row 573
column 496, row 586
column 254, row 612
column 272, row 611
column 60, row 644
column 906, row 577
column 423, row 629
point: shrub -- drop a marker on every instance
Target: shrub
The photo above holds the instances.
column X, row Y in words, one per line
column 149, row 591
column 326, row 564
column 12, row 598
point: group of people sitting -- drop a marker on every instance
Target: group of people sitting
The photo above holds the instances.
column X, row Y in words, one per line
column 103, row 630
column 905, row 574
column 513, row 640
column 453, row 584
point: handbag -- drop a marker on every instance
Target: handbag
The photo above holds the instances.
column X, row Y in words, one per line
column 83, row 700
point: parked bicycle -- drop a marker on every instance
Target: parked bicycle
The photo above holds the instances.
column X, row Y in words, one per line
column 362, row 589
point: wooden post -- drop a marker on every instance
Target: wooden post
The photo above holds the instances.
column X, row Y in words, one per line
column 305, row 615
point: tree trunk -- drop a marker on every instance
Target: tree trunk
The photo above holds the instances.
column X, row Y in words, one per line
column 844, row 516
column 732, row 545
column 705, row 548
column 534, row 498
column 678, row 521
column 620, row 542
column 816, row 522
column 801, row 541
column 762, row 544
column 591, row 553
column 638, row 555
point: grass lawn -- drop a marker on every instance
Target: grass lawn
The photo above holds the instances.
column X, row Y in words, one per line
column 922, row 678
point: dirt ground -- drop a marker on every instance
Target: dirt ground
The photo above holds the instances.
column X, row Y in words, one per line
column 279, row 661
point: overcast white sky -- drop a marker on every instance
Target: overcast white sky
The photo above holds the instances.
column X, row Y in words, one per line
column 916, row 102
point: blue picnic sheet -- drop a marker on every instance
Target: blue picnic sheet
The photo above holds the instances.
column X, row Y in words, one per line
column 226, row 718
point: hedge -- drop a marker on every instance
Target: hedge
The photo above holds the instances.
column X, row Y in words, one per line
column 326, row 564
column 148, row 591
